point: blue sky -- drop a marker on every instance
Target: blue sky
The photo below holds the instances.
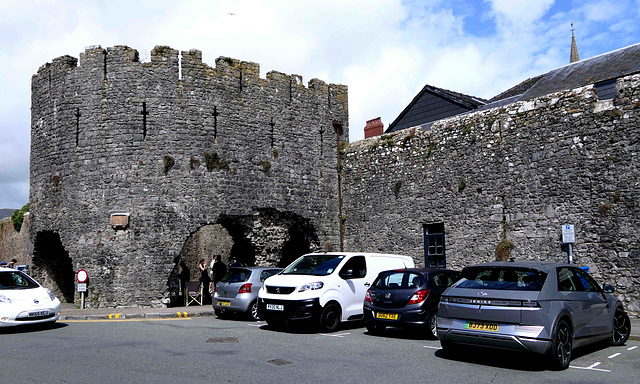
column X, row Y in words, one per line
column 384, row 50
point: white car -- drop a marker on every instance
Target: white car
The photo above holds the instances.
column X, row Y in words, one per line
column 24, row 301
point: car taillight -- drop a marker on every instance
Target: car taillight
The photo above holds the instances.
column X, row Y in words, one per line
column 419, row 296
column 367, row 296
column 246, row 288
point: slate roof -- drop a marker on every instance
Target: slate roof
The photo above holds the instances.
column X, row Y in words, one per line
column 517, row 90
column 461, row 99
column 608, row 66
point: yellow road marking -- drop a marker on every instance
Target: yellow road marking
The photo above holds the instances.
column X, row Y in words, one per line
column 121, row 320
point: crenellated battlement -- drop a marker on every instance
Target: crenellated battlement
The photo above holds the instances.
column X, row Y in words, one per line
column 189, row 63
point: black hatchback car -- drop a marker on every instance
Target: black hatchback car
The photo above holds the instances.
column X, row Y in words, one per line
column 406, row 298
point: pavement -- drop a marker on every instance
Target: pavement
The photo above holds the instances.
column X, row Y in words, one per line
column 70, row 312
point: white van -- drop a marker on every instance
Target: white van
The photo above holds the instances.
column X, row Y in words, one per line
column 326, row 287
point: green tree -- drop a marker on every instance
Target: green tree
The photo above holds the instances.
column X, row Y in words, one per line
column 18, row 216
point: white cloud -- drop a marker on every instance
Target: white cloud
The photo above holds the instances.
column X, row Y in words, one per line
column 521, row 11
column 602, row 10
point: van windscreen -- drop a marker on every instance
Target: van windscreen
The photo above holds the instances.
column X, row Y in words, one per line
column 314, row 265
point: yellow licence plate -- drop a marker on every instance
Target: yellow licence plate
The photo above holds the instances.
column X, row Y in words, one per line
column 479, row 326
column 388, row 316
column 224, row 303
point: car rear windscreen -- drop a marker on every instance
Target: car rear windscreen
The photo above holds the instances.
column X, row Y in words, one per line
column 399, row 280
column 502, row 278
column 236, row 275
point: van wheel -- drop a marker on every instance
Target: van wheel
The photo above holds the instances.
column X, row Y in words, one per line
column 621, row 328
column 275, row 324
column 330, row 318
column 433, row 326
column 561, row 346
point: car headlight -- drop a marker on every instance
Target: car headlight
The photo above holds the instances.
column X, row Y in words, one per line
column 311, row 286
column 5, row 299
column 51, row 295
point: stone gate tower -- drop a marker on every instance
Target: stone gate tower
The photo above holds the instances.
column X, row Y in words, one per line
column 130, row 160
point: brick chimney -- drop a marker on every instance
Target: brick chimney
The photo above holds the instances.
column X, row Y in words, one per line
column 373, row 128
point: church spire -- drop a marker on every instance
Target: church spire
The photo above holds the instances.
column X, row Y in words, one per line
column 574, row 48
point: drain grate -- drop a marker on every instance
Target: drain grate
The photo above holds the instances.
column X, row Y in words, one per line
column 279, row 362
column 223, row 340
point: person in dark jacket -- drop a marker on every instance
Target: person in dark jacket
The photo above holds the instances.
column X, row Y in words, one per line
column 218, row 269
column 205, row 280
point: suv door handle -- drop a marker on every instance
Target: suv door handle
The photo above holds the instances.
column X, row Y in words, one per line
column 366, row 284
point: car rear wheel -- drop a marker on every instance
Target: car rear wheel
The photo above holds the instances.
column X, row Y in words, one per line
column 376, row 329
column 561, row 346
column 621, row 328
column 330, row 318
column 219, row 312
column 433, row 326
column 253, row 310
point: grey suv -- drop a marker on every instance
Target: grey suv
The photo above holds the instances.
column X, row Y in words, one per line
column 541, row 307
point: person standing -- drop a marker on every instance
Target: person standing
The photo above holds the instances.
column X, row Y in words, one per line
column 205, row 280
column 218, row 269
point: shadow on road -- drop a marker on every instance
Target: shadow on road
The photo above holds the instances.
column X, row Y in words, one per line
column 520, row 361
column 30, row 328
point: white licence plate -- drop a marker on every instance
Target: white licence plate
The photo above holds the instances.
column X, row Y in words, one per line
column 38, row 314
column 275, row 307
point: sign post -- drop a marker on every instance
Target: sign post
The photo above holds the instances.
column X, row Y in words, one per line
column 81, row 277
column 569, row 237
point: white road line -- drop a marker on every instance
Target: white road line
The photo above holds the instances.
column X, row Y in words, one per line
column 336, row 335
column 632, row 348
column 590, row 369
column 255, row 325
column 615, row 355
column 428, row 346
column 594, row 365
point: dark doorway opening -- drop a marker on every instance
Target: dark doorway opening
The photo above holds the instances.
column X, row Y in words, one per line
column 52, row 265
column 301, row 237
column 243, row 251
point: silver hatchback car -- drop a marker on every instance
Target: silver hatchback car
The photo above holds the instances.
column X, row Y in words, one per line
column 541, row 307
column 237, row 291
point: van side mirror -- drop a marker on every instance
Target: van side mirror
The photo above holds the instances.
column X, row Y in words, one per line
column 608, row 288
column 348, row 274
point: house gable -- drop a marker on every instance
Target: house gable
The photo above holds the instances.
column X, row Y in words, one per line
column 433, row 104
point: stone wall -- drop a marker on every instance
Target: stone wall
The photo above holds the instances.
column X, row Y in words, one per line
column 176, row 145
column 15, row 244
column 517, row 173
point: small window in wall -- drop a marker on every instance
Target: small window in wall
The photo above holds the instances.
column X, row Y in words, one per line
column 434, row 245
column 606, row 90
